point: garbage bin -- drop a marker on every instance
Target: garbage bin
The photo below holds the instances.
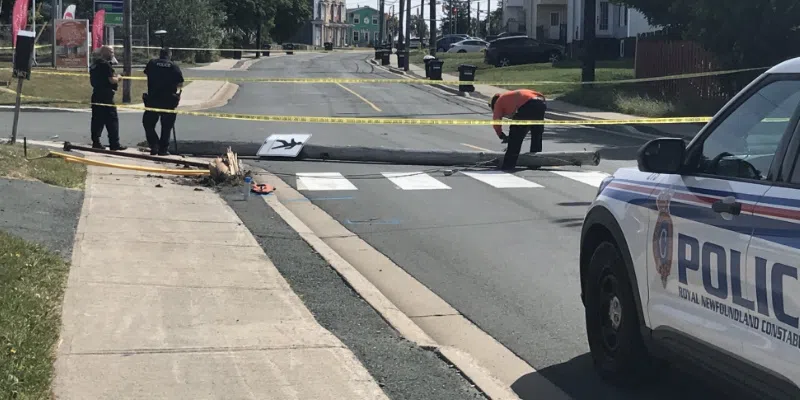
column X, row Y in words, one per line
column 237, row 54
column 466, row 72
column 427, row 60
column 288, row 47
column 385, row 56
column 436, row 69
column 328, row 46
column 401, row 59
column 267, row 47
column 378, row 52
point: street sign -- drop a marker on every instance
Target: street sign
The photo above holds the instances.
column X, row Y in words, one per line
column 283, row 145
column 114, row 10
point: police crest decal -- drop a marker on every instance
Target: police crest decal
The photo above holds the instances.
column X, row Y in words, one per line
column 663, row 236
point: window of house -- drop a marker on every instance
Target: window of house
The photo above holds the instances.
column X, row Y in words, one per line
column 374, row 20
column 555, row 19
column 603, row 16
column 355, row 36
column 355, row 18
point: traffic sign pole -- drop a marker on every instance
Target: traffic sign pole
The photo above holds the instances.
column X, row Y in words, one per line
column 127, row 51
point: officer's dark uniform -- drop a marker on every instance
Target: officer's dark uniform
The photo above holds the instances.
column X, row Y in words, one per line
column 163, row 78
column 103, row 116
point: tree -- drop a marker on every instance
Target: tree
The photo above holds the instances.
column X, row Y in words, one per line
column 190, row 23
column 419, row 27
column 741, row 33
column 289, row 17
column 391, row 28
column 456, row 12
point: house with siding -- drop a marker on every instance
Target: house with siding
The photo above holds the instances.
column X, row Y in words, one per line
column 364, row 26
column 328, row 23
column 562, row 20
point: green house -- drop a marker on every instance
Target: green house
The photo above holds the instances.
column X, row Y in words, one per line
column 364, row 26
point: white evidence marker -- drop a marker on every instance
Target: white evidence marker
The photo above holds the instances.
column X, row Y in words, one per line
column 323, row 181
column 414, row 181
column 502, row 180
column 593, row 178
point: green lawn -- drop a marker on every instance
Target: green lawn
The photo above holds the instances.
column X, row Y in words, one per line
column 623, row 98
column 53, row 171
column 32, row 283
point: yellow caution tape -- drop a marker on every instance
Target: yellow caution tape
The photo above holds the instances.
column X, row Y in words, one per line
column 425, row 81
column 38, row 46
column 277, row 50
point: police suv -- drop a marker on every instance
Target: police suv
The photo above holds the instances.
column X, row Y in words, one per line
column 693, row 256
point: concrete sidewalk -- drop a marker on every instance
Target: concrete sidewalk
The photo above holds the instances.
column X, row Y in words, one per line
column 565, row 110
column 171, row 297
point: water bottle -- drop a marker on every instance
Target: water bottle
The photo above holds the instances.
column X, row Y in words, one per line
column 248, row 183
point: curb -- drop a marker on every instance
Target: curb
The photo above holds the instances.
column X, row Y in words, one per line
column 464, row 362
column 220, row 98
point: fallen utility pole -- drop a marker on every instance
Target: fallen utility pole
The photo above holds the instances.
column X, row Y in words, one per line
column 69, row 147
column 400, row 156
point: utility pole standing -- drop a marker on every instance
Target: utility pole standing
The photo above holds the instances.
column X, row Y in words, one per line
column 408, row 33
column 127, row 18
column 381, row 23
column 55, row 15
column 400, row 42
column 589, row 14
column 433, row 28
column 489, row 17
column 469, row 16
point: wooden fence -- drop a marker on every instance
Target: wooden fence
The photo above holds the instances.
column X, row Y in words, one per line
column 661, row 56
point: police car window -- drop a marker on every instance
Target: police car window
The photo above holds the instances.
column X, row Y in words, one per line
column 745, row 143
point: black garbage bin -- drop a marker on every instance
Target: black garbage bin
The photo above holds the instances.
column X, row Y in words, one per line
column 385, row 54
column 237, row 54
column 289, row 47
column 436, row 69
column 378, row 52
column 328, row 46
column 267, row 48
column 427, row 60
column 466, row 72
column 401, row 59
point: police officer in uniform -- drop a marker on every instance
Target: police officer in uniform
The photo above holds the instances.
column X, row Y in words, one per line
column 105, row 83
column 164, row 80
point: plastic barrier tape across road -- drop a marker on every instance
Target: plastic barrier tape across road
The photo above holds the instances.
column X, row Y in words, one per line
column 425, row 81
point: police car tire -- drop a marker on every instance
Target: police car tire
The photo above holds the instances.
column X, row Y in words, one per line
column 630, row 363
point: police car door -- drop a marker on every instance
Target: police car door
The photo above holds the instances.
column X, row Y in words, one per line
column 704, row 219
column 773, row 262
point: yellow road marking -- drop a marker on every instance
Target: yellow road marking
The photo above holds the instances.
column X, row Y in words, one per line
column 360, row 97
column 475, row 147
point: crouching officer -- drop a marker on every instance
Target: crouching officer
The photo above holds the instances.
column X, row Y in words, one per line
column 521, row 105
column 105, row 83
column 164, row 80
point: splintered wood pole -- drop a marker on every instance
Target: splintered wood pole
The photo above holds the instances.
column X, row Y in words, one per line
column 225, row 167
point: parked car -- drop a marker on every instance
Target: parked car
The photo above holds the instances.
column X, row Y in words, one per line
column 472, row 45
column 514, row 50
column 443, row 43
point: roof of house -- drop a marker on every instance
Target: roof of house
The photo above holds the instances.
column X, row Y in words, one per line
column 360, row 8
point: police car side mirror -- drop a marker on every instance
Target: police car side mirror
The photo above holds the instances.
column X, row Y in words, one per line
column 662, row 156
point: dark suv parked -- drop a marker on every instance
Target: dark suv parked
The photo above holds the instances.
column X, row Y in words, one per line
column 513, row 50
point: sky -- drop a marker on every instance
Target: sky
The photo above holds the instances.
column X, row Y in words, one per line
column 415, row 6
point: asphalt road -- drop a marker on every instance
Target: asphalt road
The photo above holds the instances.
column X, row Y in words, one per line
column 501, row 250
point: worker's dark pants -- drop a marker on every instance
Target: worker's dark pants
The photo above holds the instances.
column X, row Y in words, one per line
column 104, row 117
column 149, row 121
column 532, row 110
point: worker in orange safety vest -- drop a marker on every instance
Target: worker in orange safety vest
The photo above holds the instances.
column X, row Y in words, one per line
column 520, row 105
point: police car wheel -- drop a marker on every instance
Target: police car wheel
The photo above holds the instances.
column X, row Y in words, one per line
column 612, row 323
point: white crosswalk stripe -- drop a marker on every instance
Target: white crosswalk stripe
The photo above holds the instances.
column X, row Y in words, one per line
column 502, row 180
column 323, row 181
column 593, row 178
column 414, row 181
